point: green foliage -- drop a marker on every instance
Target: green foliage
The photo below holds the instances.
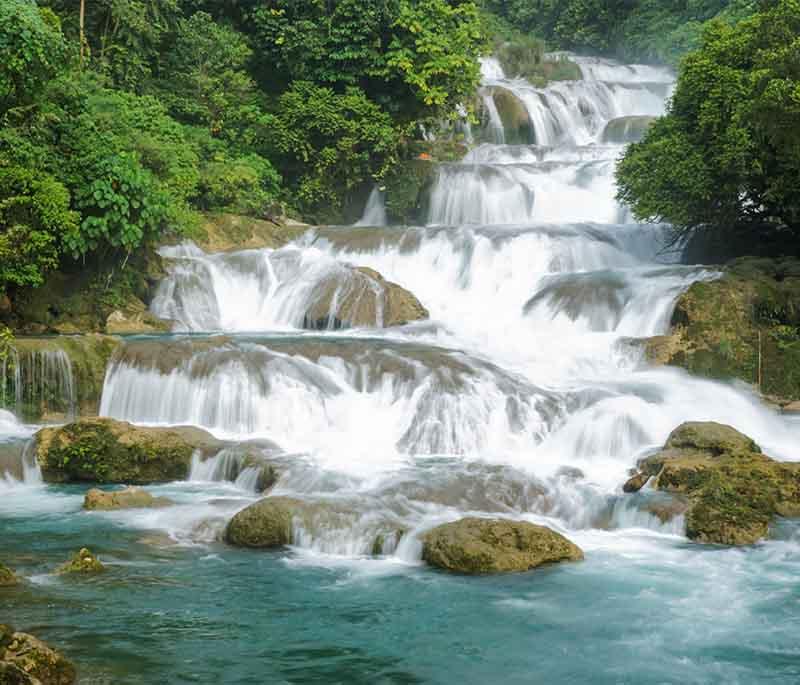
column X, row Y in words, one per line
column 330, row 144
column 245, row 185
column 6, row 346
column 728, row 153
column 525, row 56
column 32, row 49
column 34, row 218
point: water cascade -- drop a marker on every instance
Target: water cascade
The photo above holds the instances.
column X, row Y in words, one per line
column 38, row 382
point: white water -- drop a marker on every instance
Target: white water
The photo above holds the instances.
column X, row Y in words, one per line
column 375, row 210
column 522, row 395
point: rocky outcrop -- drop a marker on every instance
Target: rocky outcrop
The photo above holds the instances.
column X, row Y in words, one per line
column 627, row 129
column 25, row 660
column 733, row 490
column 517, row 126
column 129, row 498
column 60, row 376
column 7, row 577
column 477, row 546
column 362, row 299
column 274, row 521
column 135, row 319
column 108, row 451
column 84, row 562
column 226, row 232
column 744, row 326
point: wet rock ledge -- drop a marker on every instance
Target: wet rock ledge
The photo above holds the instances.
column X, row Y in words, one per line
column 734, row 490
column 24, row 660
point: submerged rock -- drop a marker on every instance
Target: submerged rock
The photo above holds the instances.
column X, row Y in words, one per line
column 129, row 498
column 474, row 545
column 108, row 451
column 365, row 299
column 7, row 577
column 83, row 562
column 733, row 490
column 25, row 660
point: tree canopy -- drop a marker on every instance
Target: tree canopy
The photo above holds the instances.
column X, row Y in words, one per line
column 728, row 152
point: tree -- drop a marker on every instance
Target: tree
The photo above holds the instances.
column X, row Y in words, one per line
column 728, row 152
column 35, row 217
column 32, row 48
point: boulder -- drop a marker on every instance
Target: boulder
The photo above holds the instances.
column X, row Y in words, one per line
column 731, row 489
column 108, row 451
column 84, row 562
column 361, row 298
column 636, row 482
column 274, row 521
column 744, row 325
column 135, row 319
column 25, row 660
column 129, row 498
column 7, row 577
column 627, row 129
column 474, row 545
column 517, row 126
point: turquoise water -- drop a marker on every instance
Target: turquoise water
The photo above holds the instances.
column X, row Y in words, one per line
column 642, row 608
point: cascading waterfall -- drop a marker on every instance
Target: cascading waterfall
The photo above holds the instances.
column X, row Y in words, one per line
column 375, row 210
column 38, row 382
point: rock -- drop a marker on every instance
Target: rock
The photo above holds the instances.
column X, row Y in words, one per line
column 627, row 129
column 25, row 660
column 792, row 408
column 7, row 577
column 135, row 319
column 227, row 232
column 265, row 524
column 732, row 490
column 517, row 124
column 361, row 298
column 70, row 373
column 108, row 451
column 84, row 562
column 474, row 545
column 745, row 326
column 129, row 498
column 274, row 522
column 636, row 483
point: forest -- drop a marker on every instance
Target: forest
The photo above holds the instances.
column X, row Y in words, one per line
column 122, row 121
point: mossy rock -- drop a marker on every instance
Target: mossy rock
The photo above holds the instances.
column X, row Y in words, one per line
column 517, row 125
column 129, row 498
column 627, row 129
column 480, row 546
column 223, row 232
column 25, row 660
column 734, row 491
column 744, row 326
column 366, row 300
column 83, row 563
column 44, row 396
column 108, row 451
column 7, row 577
column 265, row 524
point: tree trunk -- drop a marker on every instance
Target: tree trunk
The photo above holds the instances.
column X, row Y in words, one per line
column 82, row 34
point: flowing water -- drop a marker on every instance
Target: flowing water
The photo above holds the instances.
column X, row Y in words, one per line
column 522, row 396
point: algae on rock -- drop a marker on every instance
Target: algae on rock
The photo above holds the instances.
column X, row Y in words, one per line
column 479, row 546
column 25, row 660
column 129, row 498
column 84, row 562
column 734, row 491
column 108, row 451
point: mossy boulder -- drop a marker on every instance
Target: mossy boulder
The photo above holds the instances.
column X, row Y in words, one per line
column 108, row 451
column 129, row 498
column 733, row 490
column 480, row 546
column 363, row 299
column 517, row 126
column 7, row 577
column 25, row 660
column 61, row 375
column 222, row 232
column 627, row 129
column 273, row 522
column 83, row 563
column 745, row 325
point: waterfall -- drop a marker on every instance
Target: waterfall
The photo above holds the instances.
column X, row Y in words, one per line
column 38, row 382
column 375, row 210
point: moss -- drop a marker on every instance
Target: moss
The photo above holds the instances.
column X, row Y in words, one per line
column 478, row 546
column 745, row 326
column 7, row 577
column 734, row 490
column 265, row 524
column 24, row 660
column 222, row 232
column 84, row 562
column 107, row 451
